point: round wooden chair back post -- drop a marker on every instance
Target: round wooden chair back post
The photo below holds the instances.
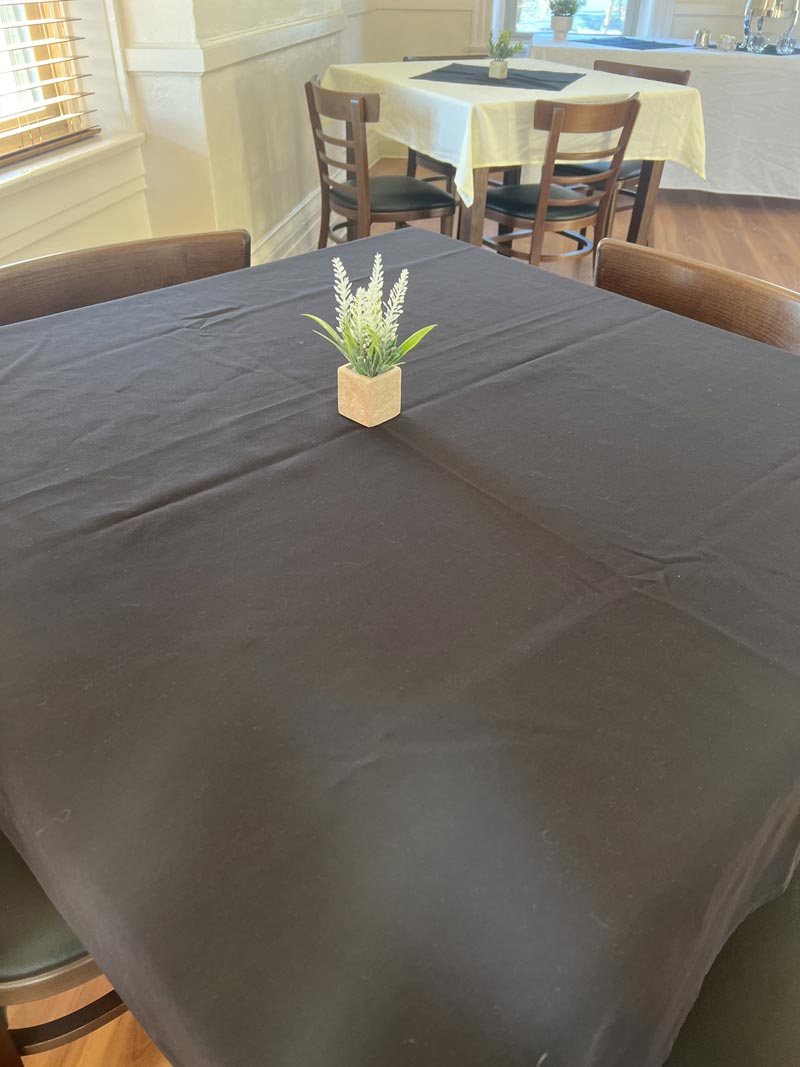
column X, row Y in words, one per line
column 714, row 295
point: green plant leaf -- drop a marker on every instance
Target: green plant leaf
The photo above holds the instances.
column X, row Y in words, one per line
column 325, row 325
column 414, row 340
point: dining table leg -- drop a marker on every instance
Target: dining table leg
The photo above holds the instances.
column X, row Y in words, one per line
column 470, row 227
column 644, row 203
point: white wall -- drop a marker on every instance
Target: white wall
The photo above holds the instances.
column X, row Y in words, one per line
column 216, row 88
column 719, row 16
column 221, row 99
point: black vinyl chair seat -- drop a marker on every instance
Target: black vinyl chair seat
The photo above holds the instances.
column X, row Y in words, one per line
column 748, row 1011
column 630, row 169
column 521, row 201
column 392, row 193
column 33, row 936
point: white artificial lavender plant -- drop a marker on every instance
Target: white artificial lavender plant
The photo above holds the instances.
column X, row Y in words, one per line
column 366, row 326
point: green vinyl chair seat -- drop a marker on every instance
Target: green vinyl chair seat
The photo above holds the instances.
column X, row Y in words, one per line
column 396, row 193
column 33, row 936
column 522, row 201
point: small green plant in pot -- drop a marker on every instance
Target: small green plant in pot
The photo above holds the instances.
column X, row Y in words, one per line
column 561, row 14
column 500, row 51
column 366, row 334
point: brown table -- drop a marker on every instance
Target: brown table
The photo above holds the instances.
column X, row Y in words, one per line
column 460, row 742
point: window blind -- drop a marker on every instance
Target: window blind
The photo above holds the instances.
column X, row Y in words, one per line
column 45, row 101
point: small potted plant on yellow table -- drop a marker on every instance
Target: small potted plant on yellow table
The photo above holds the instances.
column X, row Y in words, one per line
column 500, row 51
column 366, row 335
column 562, row 13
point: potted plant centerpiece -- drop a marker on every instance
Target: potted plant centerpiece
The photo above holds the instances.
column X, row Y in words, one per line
column 562, row 13
column 500, row 51
column 366, row 335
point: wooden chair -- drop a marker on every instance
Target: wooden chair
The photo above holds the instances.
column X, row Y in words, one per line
column 631, row 170
column 362, row 199
column 715, row 295
column 39, row 958
column 552, row 205
column 443, row 171
column 70, row 280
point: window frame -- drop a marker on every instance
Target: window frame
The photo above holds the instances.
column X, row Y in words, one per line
column 509, row 18
column 59, row 68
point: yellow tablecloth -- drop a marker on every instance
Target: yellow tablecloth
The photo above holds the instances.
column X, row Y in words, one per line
column 492, row 126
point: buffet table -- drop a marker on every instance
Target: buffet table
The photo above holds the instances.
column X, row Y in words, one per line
column 749, row 106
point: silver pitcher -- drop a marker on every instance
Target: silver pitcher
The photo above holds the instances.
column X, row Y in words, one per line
column 767, row 21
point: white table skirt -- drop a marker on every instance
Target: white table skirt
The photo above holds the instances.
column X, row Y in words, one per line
column 751, row 107
column 475, row 126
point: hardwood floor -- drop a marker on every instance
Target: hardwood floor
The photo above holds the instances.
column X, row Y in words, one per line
column 752, row 235
column 122, row 1043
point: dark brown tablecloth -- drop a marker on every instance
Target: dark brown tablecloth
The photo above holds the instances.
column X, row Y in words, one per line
column 461, row 742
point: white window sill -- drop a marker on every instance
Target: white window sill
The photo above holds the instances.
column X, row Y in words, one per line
column 62, row 161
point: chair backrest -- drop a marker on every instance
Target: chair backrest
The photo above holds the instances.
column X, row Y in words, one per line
column 355, row 110
column 715, row 295
column 562, row 119
column 433, row 59
column 70, row 280
column 636, row 70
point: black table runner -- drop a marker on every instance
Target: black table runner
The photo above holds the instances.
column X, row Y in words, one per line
column 463, row 741
column 465, row 74
column 635, row 43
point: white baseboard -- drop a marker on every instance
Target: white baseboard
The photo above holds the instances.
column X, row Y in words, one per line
column 295, row 234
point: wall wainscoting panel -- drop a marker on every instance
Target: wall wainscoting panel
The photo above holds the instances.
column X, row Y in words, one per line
column 74, row 199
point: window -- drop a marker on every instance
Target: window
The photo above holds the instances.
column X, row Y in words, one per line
column 44, row 102
column 593, row 16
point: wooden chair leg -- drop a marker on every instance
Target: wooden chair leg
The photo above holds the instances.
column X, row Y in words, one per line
column 9, row 1057
column 411, row 166
column 505, row 248
column 447, row 225
column 352, row 230
column 639, row 230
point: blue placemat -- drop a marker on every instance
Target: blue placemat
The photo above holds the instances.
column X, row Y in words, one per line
column 627, row 42
column 461, row 73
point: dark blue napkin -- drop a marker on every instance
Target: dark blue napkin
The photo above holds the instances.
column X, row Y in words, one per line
column 550, row 80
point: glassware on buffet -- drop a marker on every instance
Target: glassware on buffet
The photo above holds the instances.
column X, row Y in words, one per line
column 768, row 21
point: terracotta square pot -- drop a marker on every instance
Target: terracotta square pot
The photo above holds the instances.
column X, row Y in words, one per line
column 369, row 401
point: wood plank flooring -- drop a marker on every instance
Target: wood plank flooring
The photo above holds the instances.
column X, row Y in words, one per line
column 753, row 235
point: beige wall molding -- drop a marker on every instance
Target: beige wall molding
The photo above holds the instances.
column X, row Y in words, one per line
column 297, row 232
column 428, row 7
column 88, row 183
column 219, row 52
